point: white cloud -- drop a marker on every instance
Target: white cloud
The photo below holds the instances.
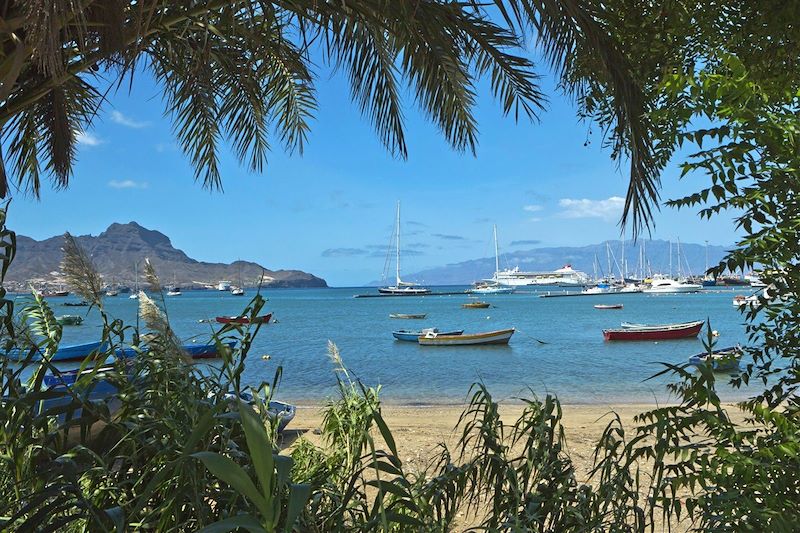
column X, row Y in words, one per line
column 533, row 208
column 87, row 139
column 119, row 118
column 609, row 209
column 127, row 184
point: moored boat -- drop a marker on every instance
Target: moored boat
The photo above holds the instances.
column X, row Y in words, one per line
column 408, row 316
column 263, row 319
column 70, row 320
column 401, row 288
column 670, row 286
column 719, row 360
column 643, row 332
column 204, row 351
column 82, row 303
column 475, row 305
column 65, row 353
column 412, row 336
column 490, row 337
column 608, row 306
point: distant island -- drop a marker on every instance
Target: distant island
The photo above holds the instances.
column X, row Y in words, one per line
column 585, row 258
column 117, row 250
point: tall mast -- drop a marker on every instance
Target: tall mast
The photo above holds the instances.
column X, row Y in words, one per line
column 670, row 258
column 624, row 268
column 496, row 254
column 706, row 256
column 608, row 260
column 680, row 268
column 397, row 251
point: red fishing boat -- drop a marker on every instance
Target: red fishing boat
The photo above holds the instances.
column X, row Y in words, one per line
column 263, row 319
column 645, row 332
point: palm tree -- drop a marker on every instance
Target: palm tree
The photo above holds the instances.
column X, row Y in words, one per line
column 237, row 70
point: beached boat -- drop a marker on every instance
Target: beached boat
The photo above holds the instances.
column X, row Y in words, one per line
column 490, row 337
column 64, row 353
column 407, row 316
column 412, row 336
column 475, row 305
column 608, row 306
column 401, row 288
column 279, row 412
column 643, row 332
column 263, row 319
column 70, row 320
column 724, row 359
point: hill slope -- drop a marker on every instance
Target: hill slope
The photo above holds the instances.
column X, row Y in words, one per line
column 116, row 250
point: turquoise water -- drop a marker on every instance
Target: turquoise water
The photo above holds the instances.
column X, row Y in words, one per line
column 574, row 361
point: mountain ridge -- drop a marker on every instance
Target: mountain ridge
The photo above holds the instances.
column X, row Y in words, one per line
column 119, row 247
column 579, row 257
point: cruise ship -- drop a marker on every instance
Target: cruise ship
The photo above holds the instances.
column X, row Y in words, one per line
column 563, row 277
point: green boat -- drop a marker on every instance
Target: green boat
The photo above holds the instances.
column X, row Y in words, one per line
column 70, row 320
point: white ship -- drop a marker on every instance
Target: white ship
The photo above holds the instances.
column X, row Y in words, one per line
column 563, row 277
column 670, row 286
column 224, row 285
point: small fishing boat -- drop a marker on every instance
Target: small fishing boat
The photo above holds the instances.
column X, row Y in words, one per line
column 720, row 360
column 82, row 303
column 64, row 353
column 475, row 305
column 204, row 351
column 281, row 412
column 112, row 292
column 490, row 337
column 70, row 320
column 608, row 306
column 263, row 319
column 412, row 336
column 237, row 291
column 173, row 291
column 408, row 316
column 55, row 294
column 646, row 332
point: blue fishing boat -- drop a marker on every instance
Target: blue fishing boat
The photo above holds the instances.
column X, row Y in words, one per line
column 412, row 336
column 204, row 351
column 721, row 360
column 64, row 353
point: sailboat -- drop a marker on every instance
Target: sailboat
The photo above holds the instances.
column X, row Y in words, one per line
column 492, row 286
column 238, row 291
column 135, row 294
column 401, row 288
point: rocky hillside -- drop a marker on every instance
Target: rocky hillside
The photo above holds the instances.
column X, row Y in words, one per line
column 116, row 250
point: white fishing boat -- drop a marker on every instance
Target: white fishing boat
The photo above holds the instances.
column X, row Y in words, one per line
column 671, row 286
column 563, row 277
column 493, row 285
column 401, row 288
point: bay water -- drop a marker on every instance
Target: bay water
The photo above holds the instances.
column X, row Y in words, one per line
column 558, row 347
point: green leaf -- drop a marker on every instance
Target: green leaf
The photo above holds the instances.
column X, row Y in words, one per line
column 235, row 476
column 298, row 497
column 260, row 449
column 244, row 521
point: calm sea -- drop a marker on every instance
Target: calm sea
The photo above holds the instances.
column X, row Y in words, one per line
column 572, row 359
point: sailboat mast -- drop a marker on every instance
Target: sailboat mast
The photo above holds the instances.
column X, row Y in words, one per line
column 706, row 256
column 496, row 254
column 397, row 251
column 624, row 268
column 670, row 258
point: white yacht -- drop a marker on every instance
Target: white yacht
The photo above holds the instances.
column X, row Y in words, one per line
column 401, row 288
column 563, row 277
column 670, row 286
column 224, row 285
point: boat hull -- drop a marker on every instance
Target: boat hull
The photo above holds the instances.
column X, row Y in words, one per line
column 412, row 336
column 475, row 305
column 491, row 337
column 66, row 353
column 646, row 333
column 400, row 291
column 264, row 319
column 607, row 307
column 407, row 317
column 204, row 351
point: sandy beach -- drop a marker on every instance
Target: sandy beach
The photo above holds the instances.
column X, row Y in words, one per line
column 419, row 429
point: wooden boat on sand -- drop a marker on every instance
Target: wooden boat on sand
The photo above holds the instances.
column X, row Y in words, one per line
column 412, row 336
column 501, row 336
column 408, row 316
column 475, row 305
column 646, row 332
column 608, row 306
column 263, row 319
column 721, row 360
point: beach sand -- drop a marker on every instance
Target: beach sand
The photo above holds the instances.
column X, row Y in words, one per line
column 418, row 430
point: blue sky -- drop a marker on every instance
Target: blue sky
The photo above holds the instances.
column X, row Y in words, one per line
column 331, row 210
